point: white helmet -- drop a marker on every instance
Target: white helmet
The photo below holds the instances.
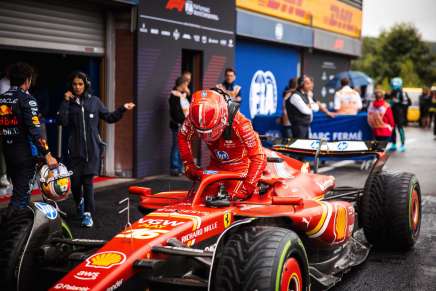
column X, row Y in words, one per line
column 55, row 184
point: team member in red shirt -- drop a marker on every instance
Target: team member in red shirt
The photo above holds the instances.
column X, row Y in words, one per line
column 230, row 137
column 380, row 117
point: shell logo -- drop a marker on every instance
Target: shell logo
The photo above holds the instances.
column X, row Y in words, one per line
column 341, row 223
column 105, row 260
column 5, row 110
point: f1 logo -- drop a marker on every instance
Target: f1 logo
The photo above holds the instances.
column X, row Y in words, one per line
column 175, row 4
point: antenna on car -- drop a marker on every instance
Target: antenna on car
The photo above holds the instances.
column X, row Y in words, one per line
column 127, row 208
column 322, row 141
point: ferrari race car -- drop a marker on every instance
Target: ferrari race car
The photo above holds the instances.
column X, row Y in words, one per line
column 299, row 232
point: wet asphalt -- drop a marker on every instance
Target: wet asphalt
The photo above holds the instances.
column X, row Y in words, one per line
column 414, row 270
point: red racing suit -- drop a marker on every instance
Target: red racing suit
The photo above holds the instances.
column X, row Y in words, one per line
column 241, row 153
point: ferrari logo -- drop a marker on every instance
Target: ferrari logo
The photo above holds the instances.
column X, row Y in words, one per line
column 227, row 219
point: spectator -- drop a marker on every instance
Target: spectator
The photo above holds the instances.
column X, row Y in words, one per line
column 20, row 130
column 80, row 112
column 187, row 75
column 432, row 108
column 399, row 101
column 229, row 86
column 347, row 100
column 284, row 119
column 299, row 109
column 179, row 102
column 424, row 106
column 315, row 104
column 380, row 117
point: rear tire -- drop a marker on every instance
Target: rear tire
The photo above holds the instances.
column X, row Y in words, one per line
column 390, row 210
column 262, row 259
column 15, row 231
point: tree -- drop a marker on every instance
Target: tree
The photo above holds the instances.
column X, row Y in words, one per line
column 399, row 51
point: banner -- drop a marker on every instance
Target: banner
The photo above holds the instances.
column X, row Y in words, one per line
column 338, row 17
column 293, row 10
column 331, row 15
column 342, row 127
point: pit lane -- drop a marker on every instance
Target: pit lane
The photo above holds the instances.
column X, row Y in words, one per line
column 415, row 270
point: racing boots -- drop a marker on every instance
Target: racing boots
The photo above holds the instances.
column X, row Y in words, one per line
column 87, row 220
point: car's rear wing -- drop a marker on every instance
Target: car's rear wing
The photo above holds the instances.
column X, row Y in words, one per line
column 323, row 148
column 345, row 149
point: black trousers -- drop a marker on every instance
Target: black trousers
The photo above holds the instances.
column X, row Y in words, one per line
column 300, row 131
column 21, row 168
column 81, row 186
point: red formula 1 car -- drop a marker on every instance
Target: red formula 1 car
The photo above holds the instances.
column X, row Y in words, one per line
column 300, row 232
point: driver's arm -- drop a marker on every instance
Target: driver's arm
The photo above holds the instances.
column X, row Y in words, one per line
column 250, row 138
column 185, row 135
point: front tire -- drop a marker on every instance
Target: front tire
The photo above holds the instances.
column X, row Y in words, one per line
column 263, row 259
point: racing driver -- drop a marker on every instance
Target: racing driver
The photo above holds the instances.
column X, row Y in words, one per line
column 229, row 135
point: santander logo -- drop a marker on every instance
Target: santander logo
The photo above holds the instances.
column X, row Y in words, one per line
column 175, row 4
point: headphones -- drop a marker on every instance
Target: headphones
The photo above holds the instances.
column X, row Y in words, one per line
column 80, row 75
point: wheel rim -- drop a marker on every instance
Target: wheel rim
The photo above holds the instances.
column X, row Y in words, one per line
column 414, row 212
column 291, row 276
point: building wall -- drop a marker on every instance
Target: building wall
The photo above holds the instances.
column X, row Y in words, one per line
column 124, row 92
column 165, row 28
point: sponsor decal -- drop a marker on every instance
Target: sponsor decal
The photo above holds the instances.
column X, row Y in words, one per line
column 85, row 275
column 263, row 94
column 62, row 286
column 5, row 110
column 341, row 223
column 315, row 144
column 222, row 155
column 175, row 4
column 106, row 260
column 325, row 184
column 49, row 211
column 8, row 100
column 193, row 235
column 158, row 223
column 35, row 120
column 342, row 146
column 192, row 9
column 141, row 233
column 33, row 103
column 227, row 219
column 115, row 286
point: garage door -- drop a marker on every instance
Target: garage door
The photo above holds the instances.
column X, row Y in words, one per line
column 54, row 26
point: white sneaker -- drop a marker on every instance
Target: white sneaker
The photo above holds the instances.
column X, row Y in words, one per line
column 4, row 182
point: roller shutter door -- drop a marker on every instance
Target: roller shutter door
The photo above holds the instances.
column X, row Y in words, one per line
column 53, row 26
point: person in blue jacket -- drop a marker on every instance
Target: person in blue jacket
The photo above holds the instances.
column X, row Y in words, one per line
column 80, row 112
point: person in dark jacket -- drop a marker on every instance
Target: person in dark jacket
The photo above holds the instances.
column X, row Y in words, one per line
column 299, row 109
column 20, row 131
column 179, row 102
column 424, row 106
column 399, row 101
column 80, row 112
